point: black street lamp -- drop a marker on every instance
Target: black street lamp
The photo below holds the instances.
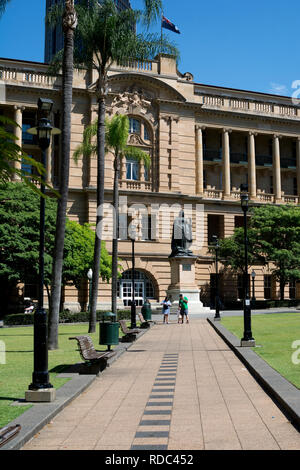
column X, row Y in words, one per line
column 216, row 247
column 253, row 274
column 40, row 376
column 133, row 305
column 247, row 339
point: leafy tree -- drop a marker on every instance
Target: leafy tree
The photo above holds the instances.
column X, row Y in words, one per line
column 3, row 4
column 78, row 258
column 69, row 24
column 19, row 241
column 117, row 132
column 232, row 251
column 277, row 233
column 273, row 237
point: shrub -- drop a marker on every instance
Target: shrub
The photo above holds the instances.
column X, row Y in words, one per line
column 64, row 317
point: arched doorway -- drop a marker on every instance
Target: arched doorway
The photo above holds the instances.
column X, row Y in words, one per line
column 143, row 287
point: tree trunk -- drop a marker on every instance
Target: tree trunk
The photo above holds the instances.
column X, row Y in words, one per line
column 100, row 202
column 114, row 284
column 70, row 23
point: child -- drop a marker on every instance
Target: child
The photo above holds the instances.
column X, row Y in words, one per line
column 166, row 309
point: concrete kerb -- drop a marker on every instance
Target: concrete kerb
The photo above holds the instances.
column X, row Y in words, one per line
column 280, row 389
column 40, row 414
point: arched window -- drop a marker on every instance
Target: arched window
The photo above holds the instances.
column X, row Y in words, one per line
column 134, row 126
column 143, row 287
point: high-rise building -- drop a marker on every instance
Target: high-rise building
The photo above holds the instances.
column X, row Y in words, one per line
column 54, row 39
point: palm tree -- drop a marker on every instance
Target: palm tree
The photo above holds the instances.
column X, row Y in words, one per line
column 106, row 36
column 116, row 137
column 3, row 4
column 69, row 22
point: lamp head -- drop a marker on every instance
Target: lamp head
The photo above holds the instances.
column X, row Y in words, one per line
column 90, row 274
column 253, row 274
column 244, row 196
column 44, row 104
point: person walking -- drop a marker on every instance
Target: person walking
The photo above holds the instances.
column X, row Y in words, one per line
column 166, row 304
column 183, row 304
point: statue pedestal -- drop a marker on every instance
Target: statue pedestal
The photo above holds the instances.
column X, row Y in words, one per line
column 183, row 282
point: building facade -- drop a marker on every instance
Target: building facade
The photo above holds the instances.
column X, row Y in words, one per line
column 204, row 141
column 54, row 38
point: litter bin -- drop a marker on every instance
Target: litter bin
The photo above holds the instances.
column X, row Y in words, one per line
column 109, row 330
column 146, row 311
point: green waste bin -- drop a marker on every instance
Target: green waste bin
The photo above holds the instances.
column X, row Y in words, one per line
column 146, row 311
column 109, row 330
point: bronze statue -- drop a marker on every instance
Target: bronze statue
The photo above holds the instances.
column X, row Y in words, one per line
column 182, row 237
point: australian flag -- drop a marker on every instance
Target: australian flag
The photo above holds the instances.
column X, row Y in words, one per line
column 168, row 25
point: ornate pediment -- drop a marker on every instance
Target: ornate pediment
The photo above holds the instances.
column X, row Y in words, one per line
column 135, row 139
column 131, row 101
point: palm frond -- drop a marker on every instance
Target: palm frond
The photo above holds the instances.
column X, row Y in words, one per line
column 137, row 154
column 152, row 11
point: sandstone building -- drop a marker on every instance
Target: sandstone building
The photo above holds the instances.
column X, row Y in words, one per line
column 204, row 141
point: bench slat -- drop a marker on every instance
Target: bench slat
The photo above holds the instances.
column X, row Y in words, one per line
column 87, row 350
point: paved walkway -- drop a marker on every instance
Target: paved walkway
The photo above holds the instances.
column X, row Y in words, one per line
column 178, row 387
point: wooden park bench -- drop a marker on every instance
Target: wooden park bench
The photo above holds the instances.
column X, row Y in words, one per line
column 129, row 334
column 89, row 354
column 8, row 432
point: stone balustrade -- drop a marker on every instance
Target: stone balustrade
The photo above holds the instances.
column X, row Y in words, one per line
column 253, row 106
column 135, row 185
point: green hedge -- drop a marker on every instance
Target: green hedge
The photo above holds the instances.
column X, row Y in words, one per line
column 64, row 317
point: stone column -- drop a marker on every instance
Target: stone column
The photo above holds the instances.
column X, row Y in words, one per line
column 276, row 168
column 298, row 166
column 252, row 165
column 226, row 164
column 199, row 160
column 18, row 110
column 142, row 171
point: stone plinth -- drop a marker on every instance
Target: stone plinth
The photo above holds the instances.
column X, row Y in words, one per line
column 41, row 396
column 183, row 281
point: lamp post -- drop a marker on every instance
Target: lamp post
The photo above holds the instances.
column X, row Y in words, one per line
column 253, row 274
column 247, row 339
column 90, row 277
column 41, row 389
column 133, row 305
column 216, row 246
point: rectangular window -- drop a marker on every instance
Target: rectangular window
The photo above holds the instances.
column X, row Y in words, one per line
column 238, row 221
column 132, row 170
column 28, row 121
column 295, row 187
column 267, row 286
column 215, row 226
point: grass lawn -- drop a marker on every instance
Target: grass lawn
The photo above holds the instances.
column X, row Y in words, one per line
column 16, row 374
column 275, row 333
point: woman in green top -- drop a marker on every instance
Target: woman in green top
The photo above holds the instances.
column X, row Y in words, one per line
column 183, row 305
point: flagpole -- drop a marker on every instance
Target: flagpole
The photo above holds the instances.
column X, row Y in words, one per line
column 161, row 33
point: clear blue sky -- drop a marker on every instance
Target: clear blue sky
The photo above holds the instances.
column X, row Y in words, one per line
column 247, row 45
